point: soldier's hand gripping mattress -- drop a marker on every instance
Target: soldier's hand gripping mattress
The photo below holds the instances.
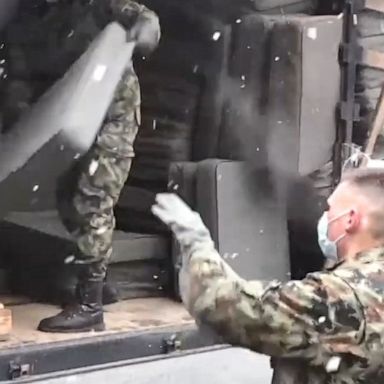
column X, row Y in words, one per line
column 62, row 125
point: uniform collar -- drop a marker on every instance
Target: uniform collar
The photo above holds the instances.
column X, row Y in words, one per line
column 368, row 256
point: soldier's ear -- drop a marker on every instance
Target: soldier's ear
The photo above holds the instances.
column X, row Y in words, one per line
column 353, row 221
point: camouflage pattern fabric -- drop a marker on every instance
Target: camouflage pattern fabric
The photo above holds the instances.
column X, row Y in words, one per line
column 87, row 212
column 328, row 328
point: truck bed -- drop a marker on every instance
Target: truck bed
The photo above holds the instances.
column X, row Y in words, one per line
column 126, row 316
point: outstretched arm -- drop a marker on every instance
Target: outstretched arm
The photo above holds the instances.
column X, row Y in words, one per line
column 308, row 319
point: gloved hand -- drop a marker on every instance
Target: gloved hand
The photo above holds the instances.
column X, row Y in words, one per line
column 186, row 224
column 145, row 32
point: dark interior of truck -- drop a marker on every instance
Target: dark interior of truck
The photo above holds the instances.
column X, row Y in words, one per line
column 238, row 118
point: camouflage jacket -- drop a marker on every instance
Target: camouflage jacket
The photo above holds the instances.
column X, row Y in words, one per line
column 327, row 328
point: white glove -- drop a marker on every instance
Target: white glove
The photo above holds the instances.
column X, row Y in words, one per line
column 186, row 224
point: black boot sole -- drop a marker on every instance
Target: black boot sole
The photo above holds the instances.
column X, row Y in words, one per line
column 93, row 328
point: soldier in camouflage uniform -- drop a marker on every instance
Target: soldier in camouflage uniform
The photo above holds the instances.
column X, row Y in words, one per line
column 87, row 211
column 326, row 328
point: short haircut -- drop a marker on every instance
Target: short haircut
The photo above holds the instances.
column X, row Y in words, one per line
column 371, row 182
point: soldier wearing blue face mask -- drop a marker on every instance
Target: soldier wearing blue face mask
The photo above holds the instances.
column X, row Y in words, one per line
column 327, row 328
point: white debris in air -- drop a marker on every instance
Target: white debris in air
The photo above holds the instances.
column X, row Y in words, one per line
column 234, row 255
column 154, row 124
column 242, row 86
column 70, row 34
column 144, row 58
column 243, row 77
column 77, row 156
column 155, row 277
column 2, row 46
column 70, row 259
column 261, row 231
column 35, row 188
column 93, row 167
column 175, row 187
column 257, row 149
column 322, row 319
column 216, row 36
column 5, row 76
column 333, row 364
column 2, row 70
column 61, row 147
column 195, row 68
column 277, row 58
column 238, row 21
column 248, row 47
column 279, row 122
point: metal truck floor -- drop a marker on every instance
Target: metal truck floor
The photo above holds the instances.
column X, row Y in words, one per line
column 126, row 316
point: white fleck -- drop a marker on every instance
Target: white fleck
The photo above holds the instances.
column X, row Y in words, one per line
column 261, row 231
column 322, row 319
column 333, row 364
column 70, row 259
column 243, row 77
column 312, row 33
column 93, row 167
column 70, row 34
column 149, row 345
column 195, row 68
column 160, row 288
column 35, row 188
column 238, row 21
column 62, row 147
column 248, row 47
column 99, row 72
column 155, row 277
column 279, row 122
column 2, row 70
column 242, row 86
column 154, row 124
column 5, row 76
column 2, row 61
column 234, row 255
column 257, row 149
column 354, row 19
column 2, row 46
column 77, row 156
column 175, row 187
column 144, row 58
column 277, row 58
column 101, row 230
column 216, row 36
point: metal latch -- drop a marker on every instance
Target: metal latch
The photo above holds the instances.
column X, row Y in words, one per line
column 18, row 370
column 172, row 344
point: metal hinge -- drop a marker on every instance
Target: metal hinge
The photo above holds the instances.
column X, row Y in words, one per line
column 171, row 344
column 18, row 370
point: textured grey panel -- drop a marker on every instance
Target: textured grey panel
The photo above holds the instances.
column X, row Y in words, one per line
column 248, row 223
column 7, row 11
column 304, row 91
column 127, row 246
column 62, row 125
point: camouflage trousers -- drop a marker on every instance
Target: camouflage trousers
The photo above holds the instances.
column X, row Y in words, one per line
column 91, row 190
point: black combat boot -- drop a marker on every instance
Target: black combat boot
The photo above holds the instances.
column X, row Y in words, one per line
column 86, row 315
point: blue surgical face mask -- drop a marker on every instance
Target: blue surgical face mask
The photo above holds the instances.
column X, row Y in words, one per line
column 328, row 247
